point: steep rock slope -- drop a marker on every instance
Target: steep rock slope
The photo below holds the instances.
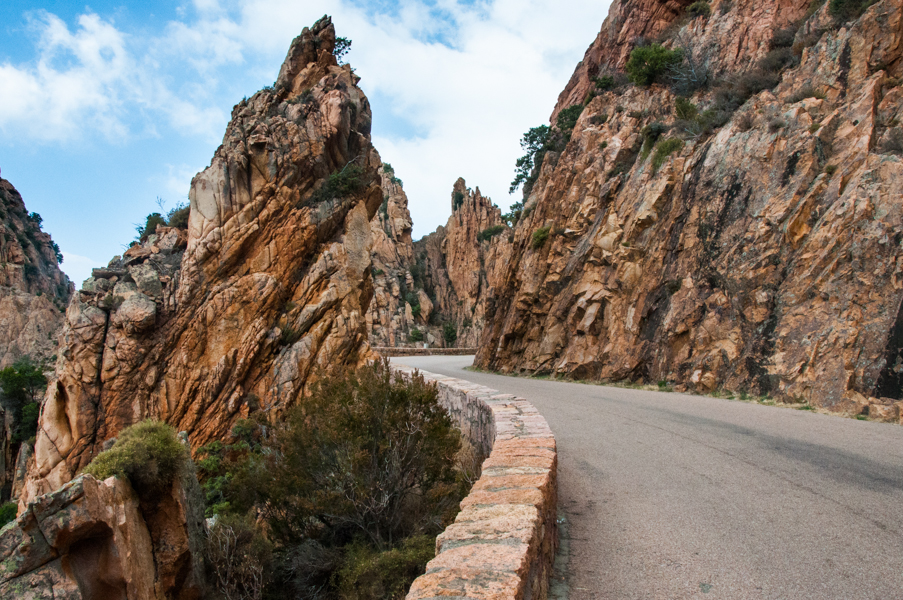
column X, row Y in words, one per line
column 389, row 319
column 33, row 290
column 764, row 255
column 457, row 265
column 271, row 283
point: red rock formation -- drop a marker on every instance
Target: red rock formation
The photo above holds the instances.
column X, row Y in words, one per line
column 764, row 256
column 389, row 320
column 33, row 290
column 457, row 269
column 271, row 283
column 93, row 540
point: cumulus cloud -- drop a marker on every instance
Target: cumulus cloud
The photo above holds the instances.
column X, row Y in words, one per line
column 88, row 81
column 453, row 84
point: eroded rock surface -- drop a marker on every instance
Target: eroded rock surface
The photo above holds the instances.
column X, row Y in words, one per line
column 389, row 320
column 33, row 290
column 270, row 283
column 443, row 278
column 97, row 540
column 765, row 256
column 459, row 266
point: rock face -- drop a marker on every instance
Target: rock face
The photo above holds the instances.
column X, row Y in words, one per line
column 458, row 266
column 763, row 256
column 270, row 283
column 441, row 279
column 93, row 540
column 33, row 290
column 389, row 320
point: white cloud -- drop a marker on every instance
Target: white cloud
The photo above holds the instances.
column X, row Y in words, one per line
column 89, row 81
column 456, row 84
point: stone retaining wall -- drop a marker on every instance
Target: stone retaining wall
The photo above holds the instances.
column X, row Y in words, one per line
column 386, row 351
column 503, row 542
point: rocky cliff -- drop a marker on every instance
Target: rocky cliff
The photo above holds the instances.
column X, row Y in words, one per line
column 33, row 290
column 389, row 319
column 433, row 290
column 746, row 237
column 270, row 283
column 97, row 540
column 458, row 264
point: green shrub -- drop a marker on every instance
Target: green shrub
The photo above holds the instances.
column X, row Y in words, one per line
column 665, row 149
column 604, row 83
column 149, row 454
column 178, row 216
column 8, row 513
column 847, row 10
column 340, row 184
column 567, row 119
column 457, row 200
column 490, row 232
column 57, row 252
column 514, row 213
column 239, row 557
column 783, row 38
column 685, row 109
column 651, row 133
column 599, row 119
column 450, row 333
column 893, row 144
column 648, row 64
column 368, row 574
column 21, row 387
column 388, row 169
column 830, row 170
column 416, row 335
column 777, row 60
column 700, row 8
column 342, row 46
column 539, row 237
column 150, row 226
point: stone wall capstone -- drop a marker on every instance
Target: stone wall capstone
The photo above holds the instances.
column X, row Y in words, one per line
column 502, row 544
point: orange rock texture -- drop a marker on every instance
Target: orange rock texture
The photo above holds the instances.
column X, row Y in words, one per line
column 98, row 539
column 270, row 283
column 33, row 290
column 442, row 278
column 759, row 254
column 389, row 320
column 457, row 266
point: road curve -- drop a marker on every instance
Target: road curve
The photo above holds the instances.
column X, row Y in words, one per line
column 674, row 496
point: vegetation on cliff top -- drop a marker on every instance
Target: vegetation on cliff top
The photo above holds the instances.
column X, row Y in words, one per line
column 148, row 454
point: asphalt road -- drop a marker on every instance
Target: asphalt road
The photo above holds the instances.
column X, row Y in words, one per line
column 676, row 496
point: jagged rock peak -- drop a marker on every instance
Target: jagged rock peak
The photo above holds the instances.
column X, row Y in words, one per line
column 269, row 288
column 28, row 255
column 309, row 55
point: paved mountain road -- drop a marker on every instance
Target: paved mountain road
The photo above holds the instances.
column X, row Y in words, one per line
column 673, row 496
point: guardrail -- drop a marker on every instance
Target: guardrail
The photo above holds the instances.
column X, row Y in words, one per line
column 395, row 351
column 503, row 542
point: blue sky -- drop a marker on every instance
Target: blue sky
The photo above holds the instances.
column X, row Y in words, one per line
column 107, row 106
